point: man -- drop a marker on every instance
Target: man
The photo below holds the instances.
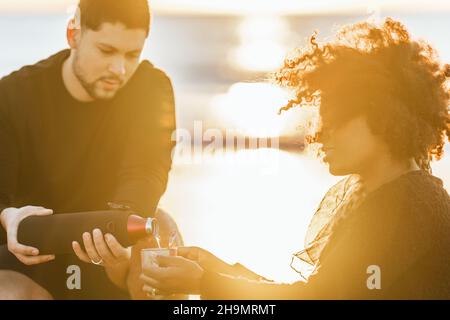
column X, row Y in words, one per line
column 86, row 128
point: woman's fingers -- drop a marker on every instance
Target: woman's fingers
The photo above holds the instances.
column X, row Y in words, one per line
column 150, row 282
column 168, row 261
column 153, row 286
column 191, row 253
column 153, row 293
column 157, row 273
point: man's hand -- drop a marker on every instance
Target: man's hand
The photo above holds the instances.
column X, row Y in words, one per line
column 10, row 220
column 105, row 251
column 102, row 250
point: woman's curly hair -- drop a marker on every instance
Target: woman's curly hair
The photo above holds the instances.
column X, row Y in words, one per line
column 379, row 72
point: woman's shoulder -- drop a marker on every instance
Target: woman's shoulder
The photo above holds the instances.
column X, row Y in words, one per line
column 422, row 192
column 416, row 188
column 338, row 191
column 415, row 204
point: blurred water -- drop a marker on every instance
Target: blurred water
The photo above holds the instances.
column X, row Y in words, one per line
column 255, row 212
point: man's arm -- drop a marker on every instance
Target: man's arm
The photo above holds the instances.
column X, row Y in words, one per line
column 10, row 218
column 144, row 172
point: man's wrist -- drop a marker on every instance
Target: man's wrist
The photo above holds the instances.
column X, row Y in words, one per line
column 2, row 214
column 3, row 210
column 118, row 274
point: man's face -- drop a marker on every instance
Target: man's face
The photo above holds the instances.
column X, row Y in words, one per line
column 106, row 59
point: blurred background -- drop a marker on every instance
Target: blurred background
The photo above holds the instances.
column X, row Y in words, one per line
column 251, row 206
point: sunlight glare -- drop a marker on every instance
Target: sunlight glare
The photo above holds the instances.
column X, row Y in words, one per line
column 261, row 47
column 252, row 108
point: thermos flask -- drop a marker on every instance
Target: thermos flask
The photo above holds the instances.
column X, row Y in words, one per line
column 55, row 233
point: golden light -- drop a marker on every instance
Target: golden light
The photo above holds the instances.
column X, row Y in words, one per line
column 244, row 6
column 252, row 108
column 260, row 56
column 261, row 46
column 242, row 213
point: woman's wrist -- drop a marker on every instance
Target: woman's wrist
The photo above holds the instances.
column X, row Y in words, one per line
column 197, row 289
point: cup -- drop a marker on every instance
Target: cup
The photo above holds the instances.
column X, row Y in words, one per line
column 148, row 256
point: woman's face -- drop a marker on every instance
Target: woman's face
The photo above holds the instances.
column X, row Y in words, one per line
column 351, row 147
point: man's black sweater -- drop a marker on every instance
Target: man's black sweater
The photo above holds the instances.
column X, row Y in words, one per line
column 70, row 156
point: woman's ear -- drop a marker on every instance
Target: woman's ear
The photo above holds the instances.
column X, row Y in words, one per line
column 72, row 34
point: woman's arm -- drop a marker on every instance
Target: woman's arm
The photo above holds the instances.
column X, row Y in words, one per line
column 216, row 286
column 238, row 270
column 200, row 272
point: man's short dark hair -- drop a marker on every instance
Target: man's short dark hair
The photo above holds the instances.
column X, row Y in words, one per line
column 134, row 14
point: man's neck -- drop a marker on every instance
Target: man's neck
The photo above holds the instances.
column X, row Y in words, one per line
column 384, row 170
column 72, row 83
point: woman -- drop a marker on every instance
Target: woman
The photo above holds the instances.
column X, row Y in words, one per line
column 383, row 231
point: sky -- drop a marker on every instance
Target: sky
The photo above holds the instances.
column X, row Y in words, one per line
column 243, row 6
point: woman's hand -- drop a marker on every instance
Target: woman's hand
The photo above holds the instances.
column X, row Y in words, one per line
column 170, row 235
column 182, row 274
column 173, row 275
column 205, row 259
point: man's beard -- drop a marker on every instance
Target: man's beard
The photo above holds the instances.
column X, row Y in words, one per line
column 90, row 87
